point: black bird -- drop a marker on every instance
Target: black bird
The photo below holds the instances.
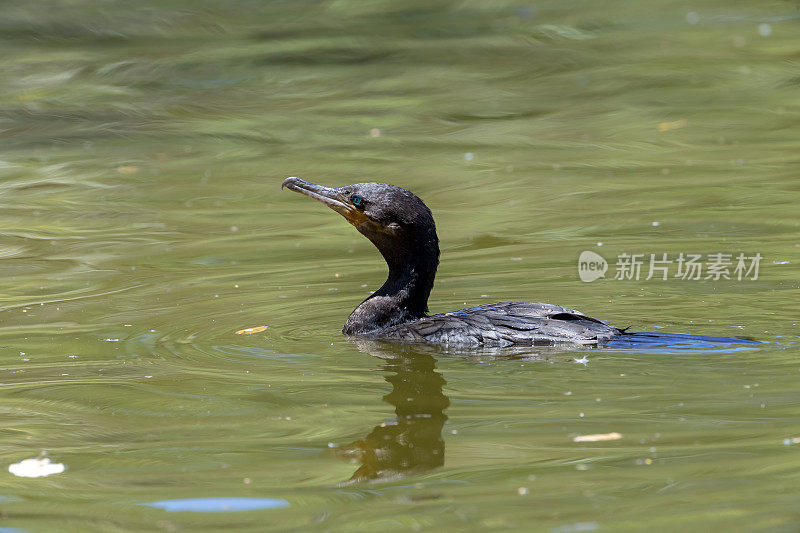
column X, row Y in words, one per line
column 401, row 226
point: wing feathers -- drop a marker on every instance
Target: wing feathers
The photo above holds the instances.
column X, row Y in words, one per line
column 504, row 324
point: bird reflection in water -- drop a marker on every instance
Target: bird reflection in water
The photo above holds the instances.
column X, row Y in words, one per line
column 412, row 442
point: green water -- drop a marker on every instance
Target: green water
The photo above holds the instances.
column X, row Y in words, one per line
column 142, row 224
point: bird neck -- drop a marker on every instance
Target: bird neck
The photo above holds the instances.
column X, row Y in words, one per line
column 404, row 295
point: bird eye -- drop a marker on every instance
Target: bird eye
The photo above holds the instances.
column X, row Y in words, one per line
column 358, row 202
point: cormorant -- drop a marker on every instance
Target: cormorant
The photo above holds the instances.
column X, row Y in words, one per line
column 401, row 226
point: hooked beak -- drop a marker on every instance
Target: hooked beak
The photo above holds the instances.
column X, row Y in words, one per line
column 328, row 196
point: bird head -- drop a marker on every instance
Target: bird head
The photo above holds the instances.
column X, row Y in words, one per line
column 394, row 219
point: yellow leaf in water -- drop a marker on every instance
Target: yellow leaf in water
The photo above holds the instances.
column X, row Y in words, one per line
column 128, row 169
column 597, row 437
column 676, row 125
column 250, row 331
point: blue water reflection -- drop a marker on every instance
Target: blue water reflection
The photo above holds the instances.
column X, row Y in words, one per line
column 218, row 505
column 678, row 343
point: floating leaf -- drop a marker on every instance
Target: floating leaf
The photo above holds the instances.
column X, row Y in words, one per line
column 128, row 169
column 250, row 331
column 676, row 125
column 597, row 437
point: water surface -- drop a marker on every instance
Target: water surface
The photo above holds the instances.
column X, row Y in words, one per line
column 142, row 224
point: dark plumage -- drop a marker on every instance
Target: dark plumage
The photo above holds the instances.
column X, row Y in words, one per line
column 505, row 324
column 401, row 226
